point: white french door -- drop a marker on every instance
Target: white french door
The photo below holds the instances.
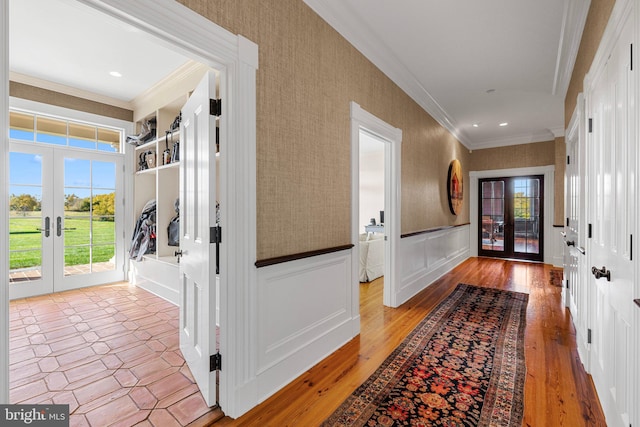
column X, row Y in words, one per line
column 197, row 218
column 65, row 222
column 612, row 213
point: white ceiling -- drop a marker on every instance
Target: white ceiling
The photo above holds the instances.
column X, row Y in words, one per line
column 67, row 43
column 447, row 55
column 470, row 61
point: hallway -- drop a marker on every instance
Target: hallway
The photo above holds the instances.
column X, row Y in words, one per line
column 558, row 392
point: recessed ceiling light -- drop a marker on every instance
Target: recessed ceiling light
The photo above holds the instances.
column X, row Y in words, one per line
column 115, row 74
column 503, row 124
column 476, row 125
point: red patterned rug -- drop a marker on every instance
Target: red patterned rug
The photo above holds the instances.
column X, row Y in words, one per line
column 463, row 365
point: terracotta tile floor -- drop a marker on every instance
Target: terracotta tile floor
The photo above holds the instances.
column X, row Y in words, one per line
column 111, row 352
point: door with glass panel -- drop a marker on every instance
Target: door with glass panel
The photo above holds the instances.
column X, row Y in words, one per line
column 65, row 202
column 511, row 218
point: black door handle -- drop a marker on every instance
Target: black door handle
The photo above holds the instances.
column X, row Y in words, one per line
column 570, row 243
column 600, row 273
column 47, row 227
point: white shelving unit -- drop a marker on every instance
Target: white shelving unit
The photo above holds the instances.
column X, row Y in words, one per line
column 159, row 272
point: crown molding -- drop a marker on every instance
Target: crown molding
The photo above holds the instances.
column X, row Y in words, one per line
column 68, row 90
column 573, row 21
column 355, row 31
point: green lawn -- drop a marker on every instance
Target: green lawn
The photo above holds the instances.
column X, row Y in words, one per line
column 25, row 237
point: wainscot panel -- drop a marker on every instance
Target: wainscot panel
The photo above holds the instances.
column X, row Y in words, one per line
column 304, row 314
column 558, row 246
column 425, row 257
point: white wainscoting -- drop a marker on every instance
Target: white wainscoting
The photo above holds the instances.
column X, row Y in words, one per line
column 557, row 245
column 426, row 257
column 304, row 313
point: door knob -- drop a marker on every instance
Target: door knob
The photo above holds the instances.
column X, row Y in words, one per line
column 178, row 254
column 600, row 273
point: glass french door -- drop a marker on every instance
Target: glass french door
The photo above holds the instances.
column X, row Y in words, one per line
column 65, row 225
column 511, row 217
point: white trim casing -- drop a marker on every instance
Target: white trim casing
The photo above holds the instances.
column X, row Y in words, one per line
column 237, row 60
column 392, row 137
column 4, row 198
column 549, row 174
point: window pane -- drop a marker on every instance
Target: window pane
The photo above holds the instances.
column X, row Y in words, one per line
column 51, row 131
column 109, row 140
column 21, row 126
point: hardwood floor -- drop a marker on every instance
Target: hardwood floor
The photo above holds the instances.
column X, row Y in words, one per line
column 558, row 392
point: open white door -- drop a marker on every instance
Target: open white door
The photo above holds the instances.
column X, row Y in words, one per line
column 197, row 265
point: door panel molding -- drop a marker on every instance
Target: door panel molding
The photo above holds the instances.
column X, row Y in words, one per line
column 547, row 171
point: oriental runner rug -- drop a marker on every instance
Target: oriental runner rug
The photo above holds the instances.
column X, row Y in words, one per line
column 463, row 365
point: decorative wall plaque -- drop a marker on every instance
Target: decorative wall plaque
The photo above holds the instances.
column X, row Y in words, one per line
column 454, row 187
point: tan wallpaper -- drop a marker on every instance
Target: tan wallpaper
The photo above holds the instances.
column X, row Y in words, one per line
column 514, row 156
column 599, row 13
column 32, row 93
column 307, row 76
column 527, row 155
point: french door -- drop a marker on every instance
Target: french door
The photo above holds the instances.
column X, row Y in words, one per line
column 511, row 217
column 65, row 227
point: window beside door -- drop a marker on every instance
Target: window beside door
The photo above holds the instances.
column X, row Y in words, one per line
column 511, row 217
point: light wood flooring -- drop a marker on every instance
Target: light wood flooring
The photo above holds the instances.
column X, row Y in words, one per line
column 558, row 392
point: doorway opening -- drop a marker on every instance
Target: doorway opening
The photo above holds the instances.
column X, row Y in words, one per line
column 511, row 217
column 372, row 207
column 365, row 126
column 215, row 54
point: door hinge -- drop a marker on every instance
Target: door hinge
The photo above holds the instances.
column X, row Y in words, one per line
column 631, row 56
column 215, row 362
column 567, row 222
column 567, row 283
column 630, row 247
column 215, row 107
column 568, row 160
column 589, row 231
column 588, row 336
column 590, row 125
column 215, row 234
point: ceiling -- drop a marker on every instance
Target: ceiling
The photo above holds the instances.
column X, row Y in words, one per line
column 465, row 62
column 63, row 42
column 472, row 62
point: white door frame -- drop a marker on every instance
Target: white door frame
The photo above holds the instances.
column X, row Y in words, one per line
column 391, row 137
column 237, row 59
column 547, row 171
